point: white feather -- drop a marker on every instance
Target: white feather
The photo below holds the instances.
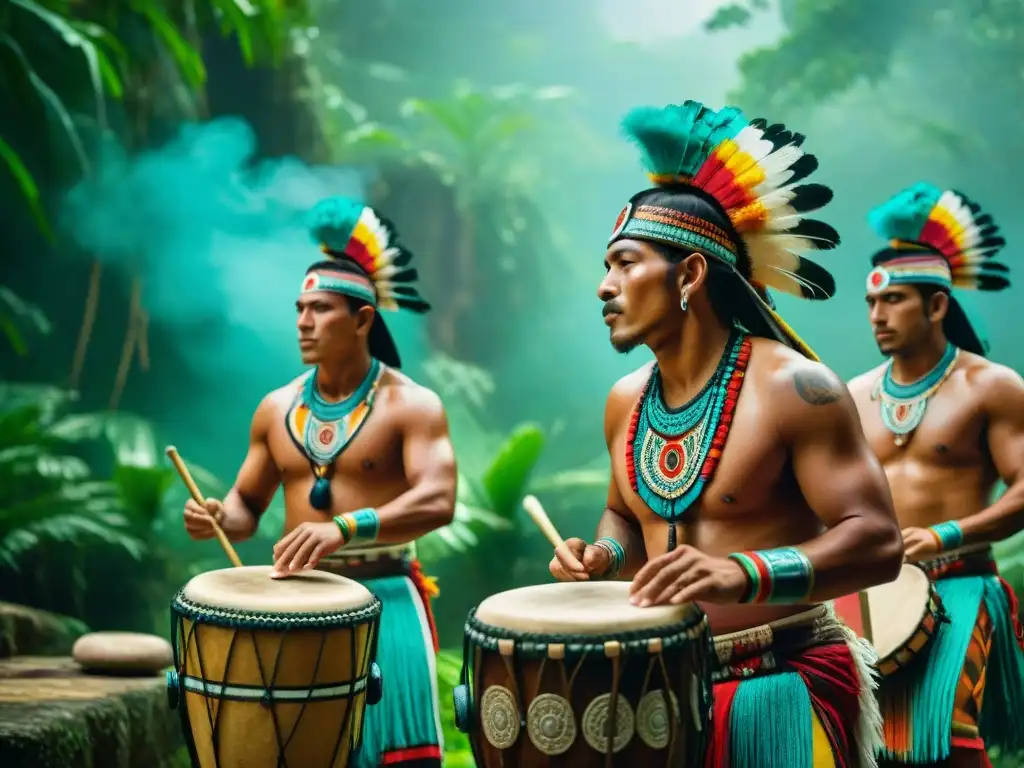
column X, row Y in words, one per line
column 778, row 198
column 781, row 160
column 783, row 220
column 385, row 272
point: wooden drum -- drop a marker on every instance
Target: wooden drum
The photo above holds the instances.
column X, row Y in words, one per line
column 272, row 673
column 903, row 615
column 549, row 672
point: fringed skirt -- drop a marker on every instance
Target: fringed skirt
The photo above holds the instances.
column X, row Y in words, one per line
column 796, row 693
column 404, row 728
column 966, row 690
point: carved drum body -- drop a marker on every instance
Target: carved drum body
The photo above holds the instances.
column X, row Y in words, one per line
column 573, row 674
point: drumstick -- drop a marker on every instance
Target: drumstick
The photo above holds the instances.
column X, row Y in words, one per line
column 536, row 512
column 186, row 477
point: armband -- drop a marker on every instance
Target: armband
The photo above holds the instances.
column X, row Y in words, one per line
column 782, row 575
column 616, row 554
column 948, row 535
column 363, row 525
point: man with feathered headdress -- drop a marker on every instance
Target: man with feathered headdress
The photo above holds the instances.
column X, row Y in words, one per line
column 947, row 424
column 353, row 506
column 741, row 479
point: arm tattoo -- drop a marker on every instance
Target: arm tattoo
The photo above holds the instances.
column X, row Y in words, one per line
column 816, row 388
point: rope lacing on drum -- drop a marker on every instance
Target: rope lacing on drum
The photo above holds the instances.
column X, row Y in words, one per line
column 182, row 607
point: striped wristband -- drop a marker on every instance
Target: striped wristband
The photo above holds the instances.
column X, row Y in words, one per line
column 782, row 575
column 948, row 535
column 362, row 525
column 616, row 555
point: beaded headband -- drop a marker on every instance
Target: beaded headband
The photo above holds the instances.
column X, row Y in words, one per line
column 345, row 283
column 911, row 270
column 655, row 222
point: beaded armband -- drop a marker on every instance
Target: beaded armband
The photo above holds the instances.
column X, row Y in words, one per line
column 362, row 525
column 776, row 575
column 947, row 535
column 615, row 552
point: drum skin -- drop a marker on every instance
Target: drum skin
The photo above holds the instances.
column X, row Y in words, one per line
column 904, row 614
column 527, row 699
column 249, row 730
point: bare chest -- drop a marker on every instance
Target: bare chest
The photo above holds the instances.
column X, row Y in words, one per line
column 749, row 474
column 372, row 454
column 950, row 432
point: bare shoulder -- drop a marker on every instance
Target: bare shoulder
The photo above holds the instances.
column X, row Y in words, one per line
column 809, row 401
column 275, row 404
column 626, row 390
column 791, row 378
column 408, row 398
column 995, row 385
column 862, row 384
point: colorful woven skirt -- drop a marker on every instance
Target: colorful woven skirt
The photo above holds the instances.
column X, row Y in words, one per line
column 796, row 693
column 967, row 689
column 405, row 727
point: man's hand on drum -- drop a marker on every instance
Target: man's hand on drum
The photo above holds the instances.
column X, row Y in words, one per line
column 199, row 518
column 685, row 575
column 919, row 544
column 302, row 549
column 579, row 561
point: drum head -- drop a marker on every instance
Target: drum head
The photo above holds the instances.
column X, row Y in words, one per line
column 897, row 609
column 584, row 608
column 250, row 588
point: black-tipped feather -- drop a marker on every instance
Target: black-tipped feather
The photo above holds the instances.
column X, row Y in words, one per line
column 413, row 305
column 810, row 197
column 803, row 168
column 823, row 236
column 816, row 282
column 992, row 282
column 405, row 276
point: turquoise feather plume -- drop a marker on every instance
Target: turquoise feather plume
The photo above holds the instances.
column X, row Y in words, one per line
column 332, row 221
column 675, row 141
column 903, row 216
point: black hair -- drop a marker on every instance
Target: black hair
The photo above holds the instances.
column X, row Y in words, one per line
column 725, row 289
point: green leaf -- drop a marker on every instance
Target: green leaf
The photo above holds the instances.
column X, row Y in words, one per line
column 505, row 480
column 27, row 185
column 142, row 490
column 50, row 99
column 110, row 68
column 130, row 436
column 73, row 39
column 727, row 17
column 237, row 15
column 189, row 62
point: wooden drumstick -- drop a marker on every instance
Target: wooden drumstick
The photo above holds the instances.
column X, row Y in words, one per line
column 193, row 489
column 536, row 512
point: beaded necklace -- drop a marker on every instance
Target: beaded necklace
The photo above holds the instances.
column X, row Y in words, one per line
column 322, row 430
column 671, row 454
column 903, row 405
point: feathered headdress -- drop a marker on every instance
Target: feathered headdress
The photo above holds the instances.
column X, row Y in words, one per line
column 941, row 238
column 364, row 261
column 750, row 172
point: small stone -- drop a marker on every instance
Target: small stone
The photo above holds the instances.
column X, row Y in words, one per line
column 122, row 652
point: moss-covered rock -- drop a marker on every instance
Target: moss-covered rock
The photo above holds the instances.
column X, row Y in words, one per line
column 28, row 631
column 53, row 715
